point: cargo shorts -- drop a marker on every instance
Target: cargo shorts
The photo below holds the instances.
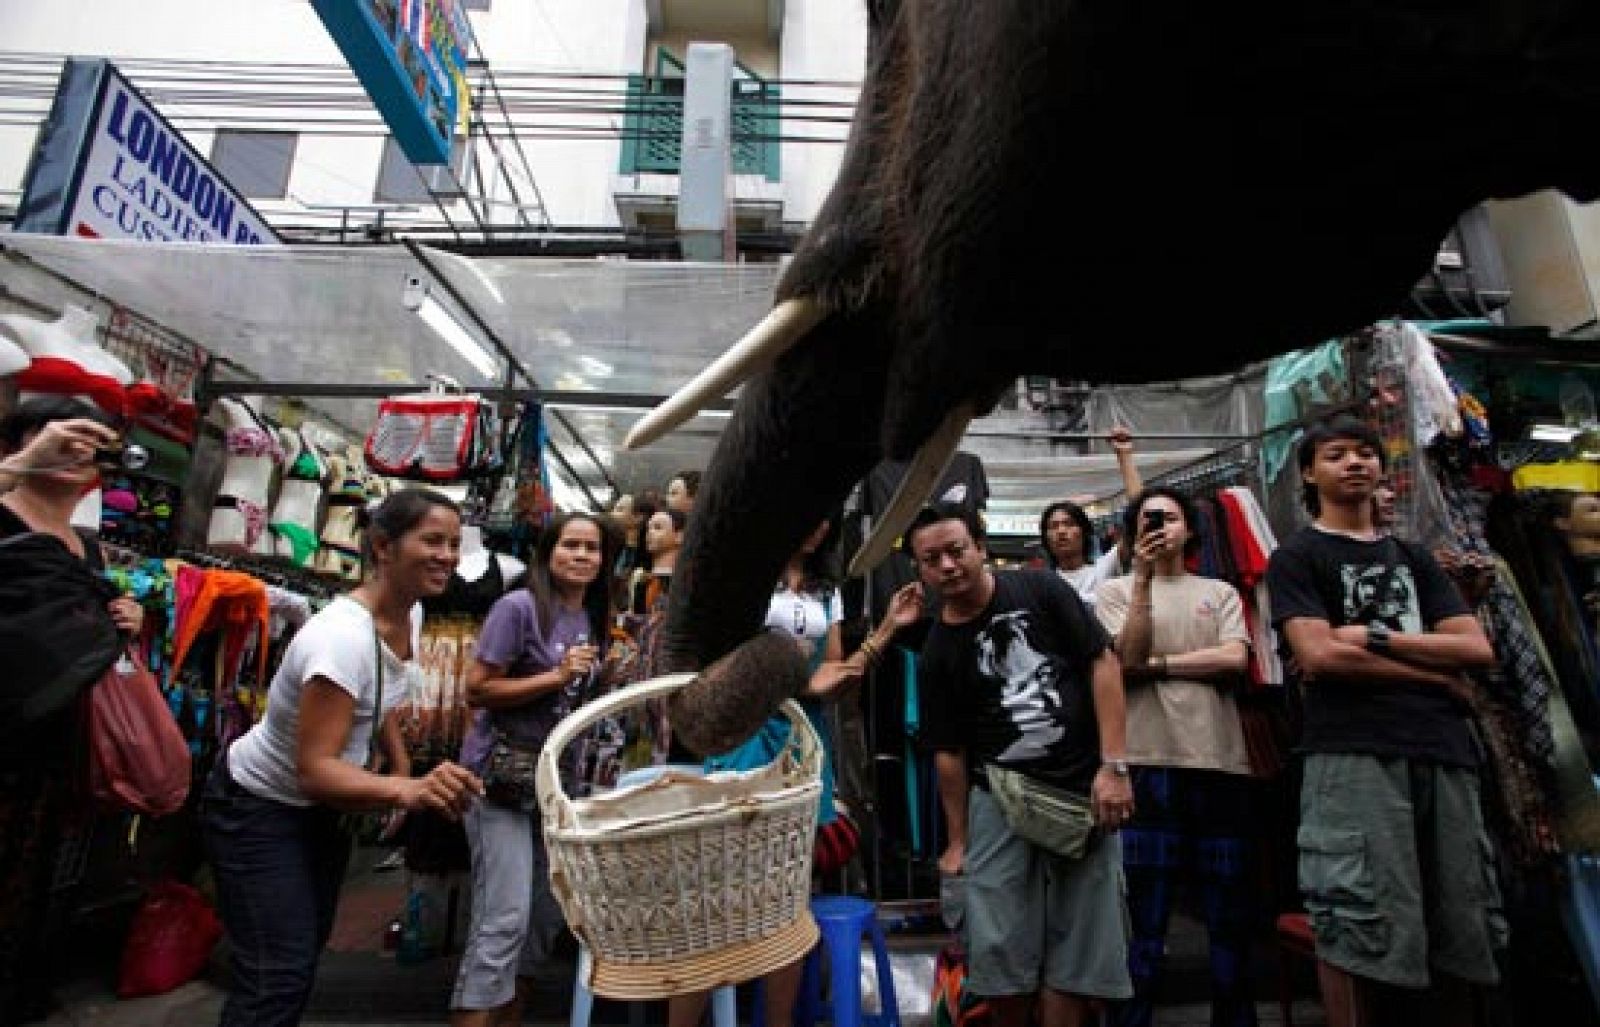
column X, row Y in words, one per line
column 1034, row 918
column 1397, row 870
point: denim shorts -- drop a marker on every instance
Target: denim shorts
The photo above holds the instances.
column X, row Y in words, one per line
column 1397, row 870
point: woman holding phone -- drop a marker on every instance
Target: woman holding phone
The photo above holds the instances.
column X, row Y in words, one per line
column 1184, row 649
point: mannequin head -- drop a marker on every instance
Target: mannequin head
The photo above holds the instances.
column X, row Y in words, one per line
column 663, row 537
column 1383, row 505
column 1577, row 517
column 627, row 518
column 682, row 489
column 13, row 358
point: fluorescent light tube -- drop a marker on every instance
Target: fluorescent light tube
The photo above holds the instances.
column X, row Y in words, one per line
column 610, row 408
column 1551, row 433
column 435, row 316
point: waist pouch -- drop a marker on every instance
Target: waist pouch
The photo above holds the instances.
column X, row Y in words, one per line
column 1049, row 817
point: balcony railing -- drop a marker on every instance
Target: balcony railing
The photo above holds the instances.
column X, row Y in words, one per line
column 652, row 135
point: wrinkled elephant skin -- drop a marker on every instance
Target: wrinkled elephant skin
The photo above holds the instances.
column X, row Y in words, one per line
column 1117, row 192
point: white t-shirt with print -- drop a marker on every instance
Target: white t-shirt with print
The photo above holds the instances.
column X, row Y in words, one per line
column 335, row 644
column 804, row 617
column 1086, row 580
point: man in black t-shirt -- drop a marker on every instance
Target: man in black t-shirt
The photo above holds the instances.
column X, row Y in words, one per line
column 1395, row 865
column 1015, row 671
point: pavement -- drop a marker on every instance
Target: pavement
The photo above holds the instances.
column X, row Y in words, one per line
column 360, row 982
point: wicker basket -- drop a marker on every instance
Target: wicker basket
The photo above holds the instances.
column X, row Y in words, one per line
column 685, row 883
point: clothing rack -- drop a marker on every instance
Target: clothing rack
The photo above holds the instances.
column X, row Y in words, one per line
column 1230, row 465
column 293, row 579
column 1206, row 475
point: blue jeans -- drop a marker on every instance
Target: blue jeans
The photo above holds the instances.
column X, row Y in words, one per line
column 278, row 869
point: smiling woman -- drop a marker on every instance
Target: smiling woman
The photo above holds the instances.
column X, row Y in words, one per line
column 272, row 807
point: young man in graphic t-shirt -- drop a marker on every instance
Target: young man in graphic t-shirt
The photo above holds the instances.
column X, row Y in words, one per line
column 1395, row 866
column 1016, row 672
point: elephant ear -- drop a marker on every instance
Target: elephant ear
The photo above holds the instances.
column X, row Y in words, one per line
column 732, row 698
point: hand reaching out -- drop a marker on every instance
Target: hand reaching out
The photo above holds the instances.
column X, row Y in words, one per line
column 834, row 675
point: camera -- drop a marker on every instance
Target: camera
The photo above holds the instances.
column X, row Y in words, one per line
column 1154, row 520
column 130, row 457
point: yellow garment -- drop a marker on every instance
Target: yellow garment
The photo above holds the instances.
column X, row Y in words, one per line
column 1577, row 475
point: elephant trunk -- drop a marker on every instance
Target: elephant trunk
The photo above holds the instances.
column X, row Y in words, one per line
column 802, row 433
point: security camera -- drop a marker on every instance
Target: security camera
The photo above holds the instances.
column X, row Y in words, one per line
column 413, row 290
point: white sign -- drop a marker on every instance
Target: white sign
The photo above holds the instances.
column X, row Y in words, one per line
column 1011, row 524
column 139, row 179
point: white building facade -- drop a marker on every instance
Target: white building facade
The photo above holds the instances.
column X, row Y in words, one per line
column 576, row 132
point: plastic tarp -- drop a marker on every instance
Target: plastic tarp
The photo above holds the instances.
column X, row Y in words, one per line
column 616, row 328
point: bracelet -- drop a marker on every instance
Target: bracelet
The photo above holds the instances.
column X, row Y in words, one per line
column 871, row 650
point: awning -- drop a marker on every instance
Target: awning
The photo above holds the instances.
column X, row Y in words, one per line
column 604, row 336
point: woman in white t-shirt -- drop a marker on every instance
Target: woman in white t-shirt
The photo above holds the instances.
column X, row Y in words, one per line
column 271, row 810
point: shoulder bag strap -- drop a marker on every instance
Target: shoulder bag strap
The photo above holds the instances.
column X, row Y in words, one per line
column 377, row 702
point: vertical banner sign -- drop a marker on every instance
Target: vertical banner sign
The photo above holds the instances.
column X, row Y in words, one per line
column 108, row 165
column 411, row 57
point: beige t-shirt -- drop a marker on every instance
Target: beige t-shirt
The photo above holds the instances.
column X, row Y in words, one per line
column 1173, row 723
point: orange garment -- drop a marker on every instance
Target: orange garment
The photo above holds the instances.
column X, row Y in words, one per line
column 229, row 601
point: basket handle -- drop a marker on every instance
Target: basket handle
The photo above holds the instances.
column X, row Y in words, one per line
column 553, row 800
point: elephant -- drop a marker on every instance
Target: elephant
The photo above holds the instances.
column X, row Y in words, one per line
column 1105, row 191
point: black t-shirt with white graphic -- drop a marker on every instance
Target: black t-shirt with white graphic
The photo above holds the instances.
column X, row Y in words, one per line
column 1343, row 581
column 1012, row 686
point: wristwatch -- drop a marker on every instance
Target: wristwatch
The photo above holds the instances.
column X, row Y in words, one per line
column 1377, row 637
column 1117, row 767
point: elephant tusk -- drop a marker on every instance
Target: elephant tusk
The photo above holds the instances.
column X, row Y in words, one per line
column 921, row 477
column 785, row 325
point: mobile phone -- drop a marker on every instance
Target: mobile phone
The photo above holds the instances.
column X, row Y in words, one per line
column 1154, row 520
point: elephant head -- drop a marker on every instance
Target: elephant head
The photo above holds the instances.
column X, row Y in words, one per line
column 1111, row 192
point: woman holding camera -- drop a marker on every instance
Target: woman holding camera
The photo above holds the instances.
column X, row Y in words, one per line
column 1184, row 649
column 48, row 447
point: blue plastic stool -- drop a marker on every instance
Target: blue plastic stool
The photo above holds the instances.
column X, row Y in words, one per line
column 724, row 1011
column 844, row 920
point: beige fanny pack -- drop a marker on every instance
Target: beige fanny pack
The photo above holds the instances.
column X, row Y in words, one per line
column 1058, row 820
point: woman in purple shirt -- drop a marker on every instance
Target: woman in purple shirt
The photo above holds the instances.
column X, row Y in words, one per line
column 537, row 649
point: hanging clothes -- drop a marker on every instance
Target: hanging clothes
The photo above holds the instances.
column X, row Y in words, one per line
column 1252, row 543
column 232, row 601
